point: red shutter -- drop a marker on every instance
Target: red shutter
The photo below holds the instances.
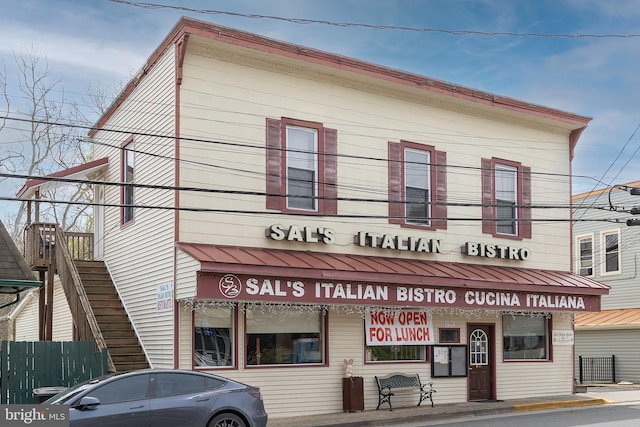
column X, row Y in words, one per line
column 274, row 165
column 525, row 211
column 330, row 171
column 396, row 207
column 439, row 209
column 488, row 212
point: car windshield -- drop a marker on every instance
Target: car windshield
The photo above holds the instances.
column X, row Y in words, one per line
column 62, row 397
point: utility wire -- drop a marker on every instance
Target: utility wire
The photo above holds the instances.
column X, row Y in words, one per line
column 146, row 5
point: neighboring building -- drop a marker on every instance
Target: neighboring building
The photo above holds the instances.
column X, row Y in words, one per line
column 608, row 252
column 15, row 279
column 330, row 209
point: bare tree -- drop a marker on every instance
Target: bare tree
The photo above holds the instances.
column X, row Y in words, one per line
column 47, row 142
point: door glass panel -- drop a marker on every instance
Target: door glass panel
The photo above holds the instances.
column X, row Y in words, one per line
column 479, row 347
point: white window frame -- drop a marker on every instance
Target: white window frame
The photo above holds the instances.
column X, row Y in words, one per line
column 425, row 175
column 296, row 153
column 579, row 254
column 514, row 170
column 603, row 253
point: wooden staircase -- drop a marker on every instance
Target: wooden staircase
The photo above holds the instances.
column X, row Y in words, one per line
column 113, row 321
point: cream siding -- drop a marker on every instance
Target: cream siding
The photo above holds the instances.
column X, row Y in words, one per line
column 140, row 255
column 62, row 328
column 25, row 326
column 624, row 344
column 366, row 118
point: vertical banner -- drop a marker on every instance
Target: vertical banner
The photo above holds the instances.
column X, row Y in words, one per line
column 398, row 327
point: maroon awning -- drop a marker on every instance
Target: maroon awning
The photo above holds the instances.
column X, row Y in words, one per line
column 285, row 269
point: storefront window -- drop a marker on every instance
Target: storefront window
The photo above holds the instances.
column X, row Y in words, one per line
column 288, row 337
column 525, row 337
column 396, row 353
column 213, row 336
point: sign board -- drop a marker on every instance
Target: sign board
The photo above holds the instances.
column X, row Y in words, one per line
column 563, row 337
column 164, row 297
column 401, row 327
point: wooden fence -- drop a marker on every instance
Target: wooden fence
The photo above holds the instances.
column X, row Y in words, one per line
column 25, row 366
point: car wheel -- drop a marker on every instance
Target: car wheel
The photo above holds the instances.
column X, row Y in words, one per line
column 227, row 420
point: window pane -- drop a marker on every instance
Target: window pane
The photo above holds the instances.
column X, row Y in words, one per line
column 586, row 257
column 611, row 252
column 525, row 337
column 177, row 384
column 417, row 186
column 288, row 337
column 123, row 390
column 302, row 167
column 301, row 183
column 506, row 199
column 390, row 353
column 128, row 176
column 213, row 337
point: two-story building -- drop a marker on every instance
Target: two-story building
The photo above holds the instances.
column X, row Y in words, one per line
column 605, row 248
column 267, row 211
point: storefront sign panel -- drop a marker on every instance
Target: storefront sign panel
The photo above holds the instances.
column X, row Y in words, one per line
column 244, row 287
column 402, row 327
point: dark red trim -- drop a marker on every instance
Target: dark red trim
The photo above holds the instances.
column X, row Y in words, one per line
column 63, row 173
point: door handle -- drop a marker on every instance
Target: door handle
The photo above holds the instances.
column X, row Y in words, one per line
column 137, row 407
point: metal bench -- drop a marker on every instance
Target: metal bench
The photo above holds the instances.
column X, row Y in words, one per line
column 398, row 383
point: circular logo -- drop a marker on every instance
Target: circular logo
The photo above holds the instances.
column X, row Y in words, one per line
column 230, row 286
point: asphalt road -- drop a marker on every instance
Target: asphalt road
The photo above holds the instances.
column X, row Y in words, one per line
column 624, row 411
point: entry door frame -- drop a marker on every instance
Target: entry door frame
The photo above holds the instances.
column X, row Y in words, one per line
column 491, row 332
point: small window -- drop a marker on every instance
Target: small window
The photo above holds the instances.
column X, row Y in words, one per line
column 506, row 199
column 288, row 337
column 611, row 252
column 301, row 167
column 127, row 177
column 525, row 337
column 584, row 246
column 417, row 187
column 213, row 337
column 449, row 335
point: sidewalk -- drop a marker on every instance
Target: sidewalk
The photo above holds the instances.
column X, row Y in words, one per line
column 595, row 396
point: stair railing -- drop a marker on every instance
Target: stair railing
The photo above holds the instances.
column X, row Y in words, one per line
column 85, row 321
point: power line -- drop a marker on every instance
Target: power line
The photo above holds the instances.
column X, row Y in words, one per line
column 305, row 21
column 279, row 213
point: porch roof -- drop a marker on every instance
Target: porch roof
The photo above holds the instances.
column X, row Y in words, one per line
column 63, row 177
column 374, row 269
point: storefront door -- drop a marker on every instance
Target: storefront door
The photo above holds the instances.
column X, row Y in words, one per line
column 481, row 362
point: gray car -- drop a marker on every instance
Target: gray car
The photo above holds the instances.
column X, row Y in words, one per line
column 163, row 398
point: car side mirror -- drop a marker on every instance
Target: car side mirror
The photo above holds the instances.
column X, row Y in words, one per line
column 87, row 402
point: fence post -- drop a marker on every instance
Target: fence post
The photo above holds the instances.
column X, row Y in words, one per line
column 613, row 367
column 580, row 367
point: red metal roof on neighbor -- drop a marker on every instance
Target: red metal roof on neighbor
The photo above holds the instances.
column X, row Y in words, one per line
column 629, row 317
column 322, row 265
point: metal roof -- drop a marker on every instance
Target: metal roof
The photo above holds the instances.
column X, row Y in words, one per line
column 625, row 318
column 375, row 269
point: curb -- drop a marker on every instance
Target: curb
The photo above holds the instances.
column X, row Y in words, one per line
column 559, row 404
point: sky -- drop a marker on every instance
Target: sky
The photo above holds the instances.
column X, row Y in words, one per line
column 580, row 56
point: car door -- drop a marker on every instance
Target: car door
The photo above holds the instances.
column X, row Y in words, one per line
column 123, row 401
column 182, row 400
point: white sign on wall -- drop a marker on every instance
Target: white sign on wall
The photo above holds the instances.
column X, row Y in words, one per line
column 164, row 296
column 563, row 337
column 398, row 327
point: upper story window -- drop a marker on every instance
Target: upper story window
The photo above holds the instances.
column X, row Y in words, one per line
column 417, row 185
column 584, row 247
column 610, row 252
column 301, row 166
column 506, row 195
column 127, row 175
